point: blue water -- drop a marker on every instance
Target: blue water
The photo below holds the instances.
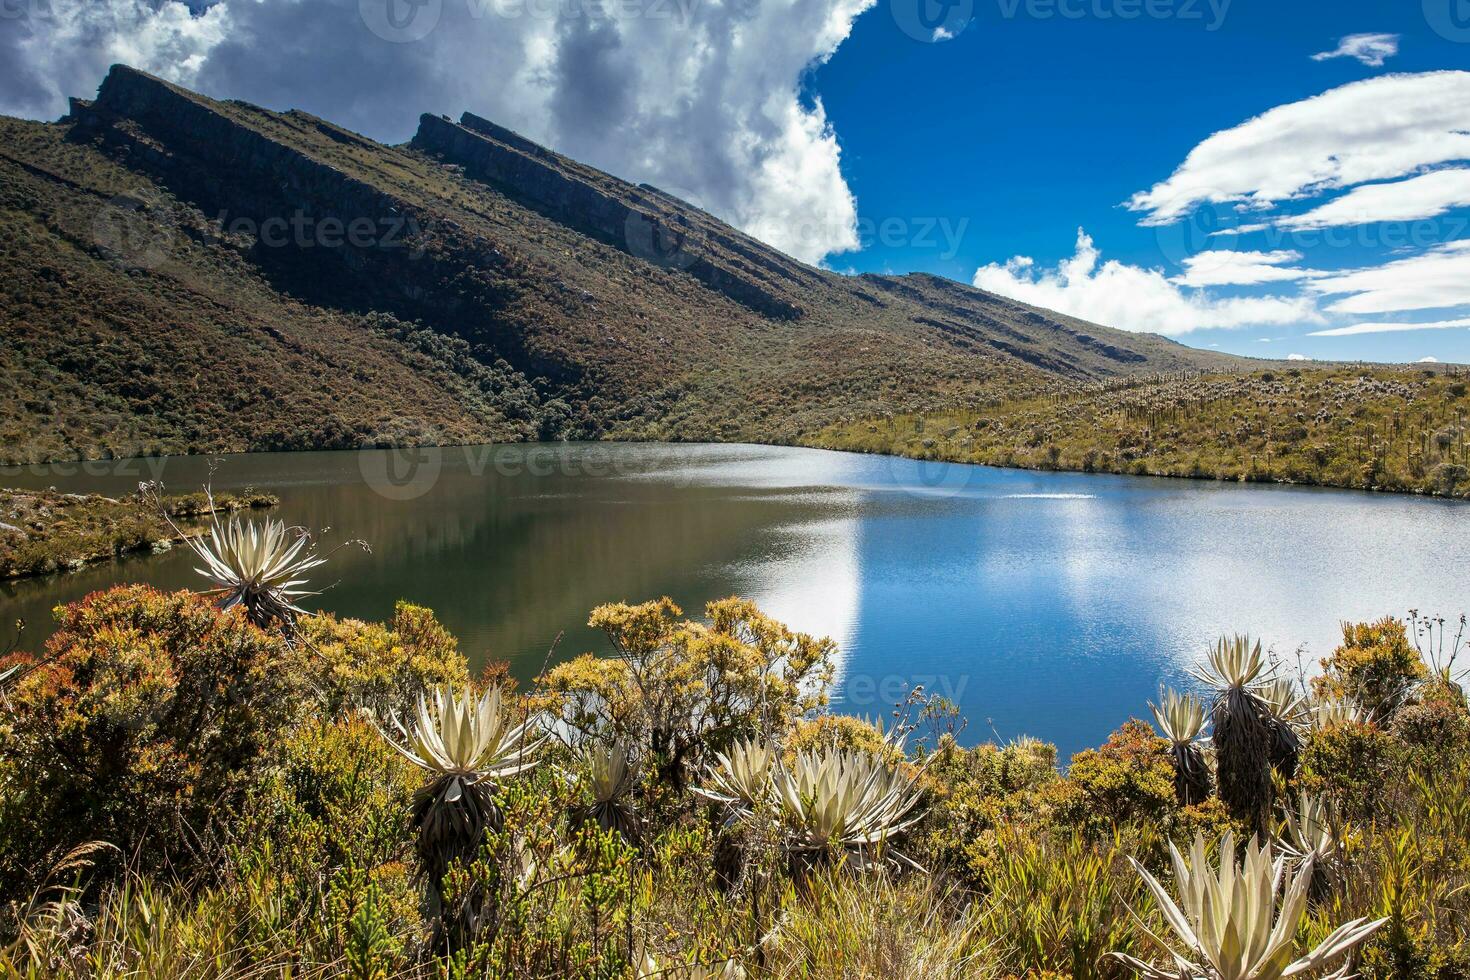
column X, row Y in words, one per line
column 1048, row 604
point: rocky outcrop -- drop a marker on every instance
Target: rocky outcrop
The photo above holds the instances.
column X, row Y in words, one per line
column 298, row 212
column 638, row 219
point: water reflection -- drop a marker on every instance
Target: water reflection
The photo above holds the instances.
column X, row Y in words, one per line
column 1052, row 604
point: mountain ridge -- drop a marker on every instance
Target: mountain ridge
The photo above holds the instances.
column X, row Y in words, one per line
column 185, row 278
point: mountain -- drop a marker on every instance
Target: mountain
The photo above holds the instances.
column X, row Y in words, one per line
column 191, row 275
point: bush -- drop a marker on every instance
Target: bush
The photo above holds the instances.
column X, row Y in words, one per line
column 152, row 715
column 353, row 664
column 1376, row 666
column 1130, row 779
column 677, row 689
column 144, row 726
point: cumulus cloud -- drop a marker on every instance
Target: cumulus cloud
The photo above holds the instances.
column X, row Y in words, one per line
column 1370, row 49
column 1224, row 267
column 1362, row 328
column 1429, row 360
column 1428, row 195
column 1382, row 128
column 701, row 99
column 1436, row 279
column 1297, row 357
column 1132, row 298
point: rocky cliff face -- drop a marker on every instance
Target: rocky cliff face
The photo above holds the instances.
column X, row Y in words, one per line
column 638, row 220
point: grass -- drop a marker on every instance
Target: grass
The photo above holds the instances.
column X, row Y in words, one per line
column 1362, row 427
column 44, row 531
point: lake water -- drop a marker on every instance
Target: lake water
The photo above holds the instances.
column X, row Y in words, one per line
column 1049, row 604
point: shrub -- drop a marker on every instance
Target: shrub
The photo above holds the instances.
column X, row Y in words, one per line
column 1130, row 779
column 352, row 664
column 680, row 688
column 145, row 725
column 1376, row 666
column 1352, row 762
column 839, row 732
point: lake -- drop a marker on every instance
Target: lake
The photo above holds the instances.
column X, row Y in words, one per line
column 1049, row 604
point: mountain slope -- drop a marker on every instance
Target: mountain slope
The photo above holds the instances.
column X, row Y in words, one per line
column 188, row 275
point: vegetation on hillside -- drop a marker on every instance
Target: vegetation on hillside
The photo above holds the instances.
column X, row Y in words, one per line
column 189, row 793
column 151, row 307
column 43, row 531
column 1372, row 428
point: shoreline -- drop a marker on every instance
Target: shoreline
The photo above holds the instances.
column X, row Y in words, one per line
column 104, row 465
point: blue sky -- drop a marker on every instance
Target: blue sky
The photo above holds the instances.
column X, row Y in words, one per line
column 1020, row 130
column 1201, row 168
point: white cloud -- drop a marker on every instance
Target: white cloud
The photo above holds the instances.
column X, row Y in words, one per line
column 1370, row 49
column 1130, row 297
column 701, row 99
column 1362, row 328
column 1428, row 360
column 1425, row 196
column 1436, row 279
column 1379, row 129
column 1297, row 357
column 1223, row 267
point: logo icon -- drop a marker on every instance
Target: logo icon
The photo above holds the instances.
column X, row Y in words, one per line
column 400, row 21
column 403, row 462
column 1450, row 19
column 136, row 234
column 929, row 478
column 932, row 21
column 663, row 227
column 1202, row 232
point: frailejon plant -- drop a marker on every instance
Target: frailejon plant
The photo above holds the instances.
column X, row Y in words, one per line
column 741, row 777
column 1286, row 713
column 1335, row 712
column 1242, row 733
column 467, row 745
column 1312, row 836
column 257, row 566
column 1181, row 719
column 829, row 805
column 609, row 782
column 840, row 803
column 1229, row 923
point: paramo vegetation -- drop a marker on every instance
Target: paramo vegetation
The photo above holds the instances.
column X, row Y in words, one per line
column 221, row 785
column 1376, row 427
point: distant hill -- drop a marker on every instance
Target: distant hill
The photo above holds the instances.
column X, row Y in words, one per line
column 187, row 275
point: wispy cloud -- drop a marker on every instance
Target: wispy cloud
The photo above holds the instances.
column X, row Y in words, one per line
column 1436, row 279
column 1362, row 328
column 1425, row 196
column 1223, row 267
column 1370, row 49
column 1382, row 128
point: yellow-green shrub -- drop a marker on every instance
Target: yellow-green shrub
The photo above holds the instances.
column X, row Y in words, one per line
column 144, row 727
column 1375, row 666
column 354, row 664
